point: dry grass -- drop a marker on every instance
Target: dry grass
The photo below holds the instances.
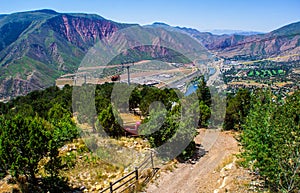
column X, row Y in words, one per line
column 90, row 169
column 282, row 84
column 234, row 178
column 64, row 81
column 248, row 83
column 170, row 166
column 227, row 160
column 5, row 187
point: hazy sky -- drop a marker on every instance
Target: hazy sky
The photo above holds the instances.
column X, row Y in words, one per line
column 254, row 15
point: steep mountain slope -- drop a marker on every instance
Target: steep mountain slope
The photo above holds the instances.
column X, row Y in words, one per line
column 37, row 47
column 284, row 41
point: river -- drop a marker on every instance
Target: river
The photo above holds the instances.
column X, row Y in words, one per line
column 193, row 87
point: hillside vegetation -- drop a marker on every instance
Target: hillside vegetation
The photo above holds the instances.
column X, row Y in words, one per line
column 37, row 47
column 36, row 127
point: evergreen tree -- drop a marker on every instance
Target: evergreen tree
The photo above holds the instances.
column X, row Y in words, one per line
column 23, row 143
column 205, row 100
column 271, row 141
column 109, row 123
column 237, row 110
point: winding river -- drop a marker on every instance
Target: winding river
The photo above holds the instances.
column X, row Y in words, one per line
column 193, row 87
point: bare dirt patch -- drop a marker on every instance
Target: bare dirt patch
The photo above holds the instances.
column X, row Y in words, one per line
column 216, row 171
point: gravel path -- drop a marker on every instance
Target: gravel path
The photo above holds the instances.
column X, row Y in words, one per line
column 191, row 178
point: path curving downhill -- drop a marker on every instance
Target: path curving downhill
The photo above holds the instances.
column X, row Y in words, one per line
column 191, row 178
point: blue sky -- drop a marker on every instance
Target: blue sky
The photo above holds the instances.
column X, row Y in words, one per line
column 254, row 15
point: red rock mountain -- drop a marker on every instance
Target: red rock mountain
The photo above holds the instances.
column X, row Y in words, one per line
column 37, row 47
column 284, row 41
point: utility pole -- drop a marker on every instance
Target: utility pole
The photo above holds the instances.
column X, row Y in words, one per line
column 128, row 74
column 128, row 71
column 127, row 65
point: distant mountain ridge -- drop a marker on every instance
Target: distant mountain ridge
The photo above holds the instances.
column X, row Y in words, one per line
column 233, row 32
column 280, row 42
column 37, row 47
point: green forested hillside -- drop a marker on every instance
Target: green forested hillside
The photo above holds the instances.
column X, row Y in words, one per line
column 36, row 47
column 34, row 127
column 271, row 141
column 269, row 136
column 44, row 122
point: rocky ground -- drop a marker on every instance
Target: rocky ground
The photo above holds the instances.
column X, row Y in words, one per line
column 217, row 171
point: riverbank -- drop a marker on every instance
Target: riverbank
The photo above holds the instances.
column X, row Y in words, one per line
column 193, row 85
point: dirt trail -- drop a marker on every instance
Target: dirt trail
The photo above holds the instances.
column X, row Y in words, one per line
column 191, row 178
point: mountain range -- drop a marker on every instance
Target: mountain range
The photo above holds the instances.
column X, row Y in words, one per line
column 232, row 32
column 37, row 47
column 284, row 41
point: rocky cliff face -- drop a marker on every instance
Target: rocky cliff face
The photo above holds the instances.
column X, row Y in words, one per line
column 284, row 41
column 37, row 47
column 80, row 31
column 266, row 46
column 48, row 44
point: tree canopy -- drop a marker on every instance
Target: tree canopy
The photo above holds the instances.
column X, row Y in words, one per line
column 271, row 141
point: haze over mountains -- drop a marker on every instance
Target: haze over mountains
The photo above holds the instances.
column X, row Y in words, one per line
column 232, row 32
column 284, row 41
column 37, row 47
